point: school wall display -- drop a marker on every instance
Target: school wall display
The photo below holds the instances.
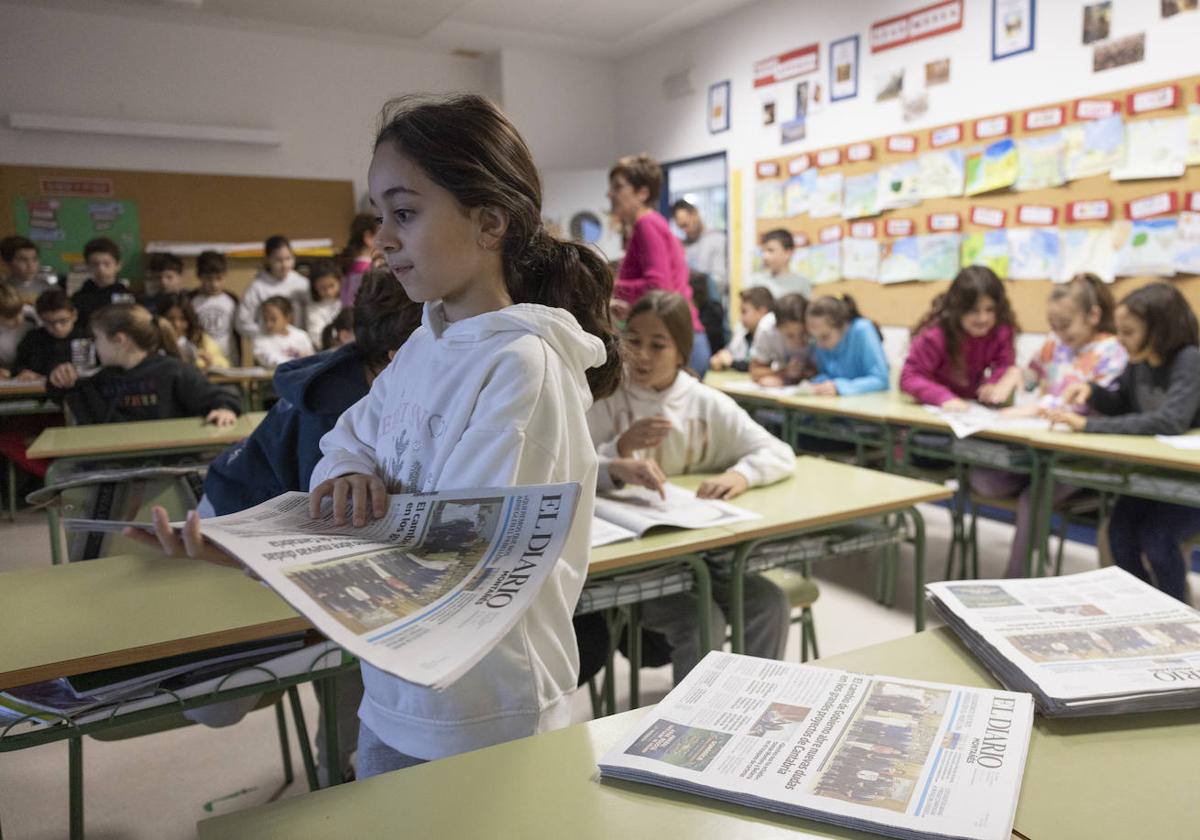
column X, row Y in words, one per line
column 62, row 225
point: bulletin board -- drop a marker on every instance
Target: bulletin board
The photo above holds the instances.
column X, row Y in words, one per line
column 903, row 304
column 184, row 207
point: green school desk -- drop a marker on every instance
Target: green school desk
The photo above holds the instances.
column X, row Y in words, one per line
column 132, row 443
column 79, row 617
column 1080, row 781
column 255, row 386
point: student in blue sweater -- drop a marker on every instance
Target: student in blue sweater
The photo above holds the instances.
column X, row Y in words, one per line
column 847, row 348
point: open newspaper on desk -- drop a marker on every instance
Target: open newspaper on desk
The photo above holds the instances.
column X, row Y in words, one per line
column 892, row 756
column 747, row 386
column 629, row 513
column 1093, row 643
column 979, row 418
column 423, row 593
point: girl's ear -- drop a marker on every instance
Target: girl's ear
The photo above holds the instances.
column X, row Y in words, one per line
column 493, row 224
column 1093, row 317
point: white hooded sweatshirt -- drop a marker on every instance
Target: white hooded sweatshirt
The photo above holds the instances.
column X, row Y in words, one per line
column 294, row 287
column 496, row 400
column 710, row 432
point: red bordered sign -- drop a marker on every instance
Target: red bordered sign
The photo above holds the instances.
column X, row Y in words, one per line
column 860, row 151
column 1096, row 109
column 1037, row 214
column 993, row 127
column 87, row 187
column 943, row 222
column 863, row 230
column 767, row 169
column 1158, row 204
column 1040, row 118
column 786, row 65
column 945, row 136
column 902, row 143
column 917, row 25
column 899, row 227
column 798, row 164
column 992, row 217
column 829, row 157
column 1158, row 99
column 830, row 233
column 1092, row 210
column 1193, row 201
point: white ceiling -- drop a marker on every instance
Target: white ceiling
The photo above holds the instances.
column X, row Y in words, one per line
column 611, row 28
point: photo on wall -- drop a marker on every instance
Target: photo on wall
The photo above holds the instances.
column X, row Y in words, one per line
column 889, row 84
column 937, row 72
column 1171, row 8
column 843, row 69
column 1128, row 50
column 1097, row 21
column 718, row 107
column 1012, row 27
column 768, row 111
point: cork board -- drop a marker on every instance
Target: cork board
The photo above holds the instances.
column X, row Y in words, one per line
column 902, row 304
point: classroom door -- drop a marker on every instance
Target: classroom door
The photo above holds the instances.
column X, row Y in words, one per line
column 702, row 182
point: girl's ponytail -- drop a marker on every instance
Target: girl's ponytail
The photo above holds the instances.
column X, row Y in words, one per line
column 168, row 341
column 144, row 330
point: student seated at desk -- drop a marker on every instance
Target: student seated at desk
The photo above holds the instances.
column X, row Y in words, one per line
column 277, row 278
column 196, row 347
column 279, row 341
column 104, row 287
column 142, row 377
column 215, row 307
column 340, row 330
column 1157, row 394
column 326, row 303
column 780, row 354
column 23, row 261
column 16, row 321
column 50, row 345
column 166, row 274
column 757, row 311
column 847, row 348
column 963, row 347
column 663, row 414
column 1081, row 348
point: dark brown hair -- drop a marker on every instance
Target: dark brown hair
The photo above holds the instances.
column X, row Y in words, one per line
column 1170, row 322
column 274, row 242
column 759, row 297
column 182, row 302
column 210, row 263
column 948, row 308
column 640, row 171
column 1086, row 290
column 791, row 307
column 161, row 261
column 384, row 317
column 283, row 304
column 783, row 237
column 840, row 310
column 675, row 313
column 467, row 146
column 101, row 245
column 146, row 331
column 9, row 246
column 10, row 302
column 319, row 269
column 53, row 300
column 360, row 226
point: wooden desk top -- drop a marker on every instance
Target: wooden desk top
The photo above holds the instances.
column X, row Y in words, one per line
column 1125, row 776
column 143, row 436
column 68, row 619
column 12, row 388
column 1137, row 449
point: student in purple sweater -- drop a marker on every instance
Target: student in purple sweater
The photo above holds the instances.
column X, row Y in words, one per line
column 962, row 349
column 654, row 258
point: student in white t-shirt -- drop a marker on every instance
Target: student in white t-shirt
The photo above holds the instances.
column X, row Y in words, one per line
column 662, row 413
column 780, row 354
column 277, row 278
column 757, row 312
column 214, row 306
column 279, row 341
column 326, row 284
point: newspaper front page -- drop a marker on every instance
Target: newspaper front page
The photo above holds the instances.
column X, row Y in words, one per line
column 423, row 593
column 1079, row 639
column 894, row 756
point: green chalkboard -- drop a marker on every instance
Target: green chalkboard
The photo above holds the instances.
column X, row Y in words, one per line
column 61, row 227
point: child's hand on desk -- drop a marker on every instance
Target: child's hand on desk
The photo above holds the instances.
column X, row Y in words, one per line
column 954, row 404
column 643, row 434
column 1077, row 393
column 770, row 380
column 188, row 542
column 64, row 376
column 725, row 486
column 367, row 495
column 221, row 417
column 824, row 389
column 29, row 376
column 5, row 373
column 1066, row 417
column 640, row 473
column 794, row 371
column 721, row 360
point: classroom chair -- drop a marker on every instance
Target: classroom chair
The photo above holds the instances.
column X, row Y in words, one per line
column 802, row 592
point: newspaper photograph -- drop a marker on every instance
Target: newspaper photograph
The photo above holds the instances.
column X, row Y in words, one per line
column 1088, row 636
column 423, row 593
column 632, row 511
column 899, row 757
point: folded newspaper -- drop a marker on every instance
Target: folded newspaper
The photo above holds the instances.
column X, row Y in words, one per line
column 979, row 418
column 1093, row 643
column 629, row 513
column 892, row 756
column 423, row 593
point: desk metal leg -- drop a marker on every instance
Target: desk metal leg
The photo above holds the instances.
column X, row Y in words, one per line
column 329, row 710
column 635, row 655
column 310, row 767
column 918, row 568
column 1045, row 506
column 704, row 598
column 75, row 782
column 737, row 605
column 1037, row 477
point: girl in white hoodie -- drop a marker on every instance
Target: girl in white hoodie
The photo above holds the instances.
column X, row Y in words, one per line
column 277, row 278
column 664, row 414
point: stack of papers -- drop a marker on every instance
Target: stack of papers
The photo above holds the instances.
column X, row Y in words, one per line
column 898, row 757
column 630, row 513
column 1096, row 643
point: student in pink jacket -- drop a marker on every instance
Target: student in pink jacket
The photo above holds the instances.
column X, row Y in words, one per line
column 962, row 349
column 654, row 257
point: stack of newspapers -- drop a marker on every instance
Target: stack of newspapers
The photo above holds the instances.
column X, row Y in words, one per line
column 892, row 756
column 1095, row 643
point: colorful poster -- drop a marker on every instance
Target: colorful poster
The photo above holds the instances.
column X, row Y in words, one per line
column 899, row 261
column 1094, row 147
column 941, row 174
column 1041, row 162
column 62, row 226
column 1193, row 142
column 860, row 259
column 1185, row 254
column 1087, row 249
column 1154, row 149
column 801, row 264
column 826, row 198
column 938, row 256
column 899, row 185
column 769, row 199
column 992, row 168
column 825, row 263
column 861, row 196
column 1145, row 248
column 1033, row 253
column 988, row 248
column 797, row 190
column 718, row 107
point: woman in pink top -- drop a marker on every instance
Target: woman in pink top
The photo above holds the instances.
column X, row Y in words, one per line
column 962, row 349
column 654, row 258
column 355, row 258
